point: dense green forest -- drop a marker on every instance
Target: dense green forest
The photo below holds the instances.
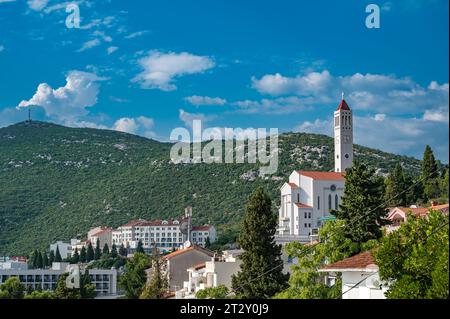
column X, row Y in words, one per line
column 57, row 182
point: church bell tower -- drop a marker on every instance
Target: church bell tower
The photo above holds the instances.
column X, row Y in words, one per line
column 343, row 137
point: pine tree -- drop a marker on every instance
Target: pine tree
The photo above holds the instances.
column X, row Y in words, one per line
column 75, row 257
column 261, row 269
column 40, row 261
column 113, row 251
column 83, row 255
column 105, row 249
column 397, row 188
column 58, row 258
column 89, row 253
column 362, row 208
column 45, row 260
column 140, row 248
column 97, row 251
column 207, row 242
column 51, row 258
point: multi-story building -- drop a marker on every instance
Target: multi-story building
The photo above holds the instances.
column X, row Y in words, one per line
column 65, row 249
column 163, row 234
column 308, row 198
column 105, row 280
column 102, row 234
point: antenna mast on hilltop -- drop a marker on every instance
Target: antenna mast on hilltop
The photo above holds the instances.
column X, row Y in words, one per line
column 29, row 114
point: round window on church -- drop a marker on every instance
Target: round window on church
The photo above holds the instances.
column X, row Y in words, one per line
column 337, row 156
column 347, row 156
column 333, row 188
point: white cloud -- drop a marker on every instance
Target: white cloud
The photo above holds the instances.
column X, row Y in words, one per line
column 2, row 48
column 136, row 34
column 371, row 92
column 112, row 49
column 161, row 69
column 436, row 115
column 281, row 105
column 379, row 117
column 68, row 103
column 89, row 45
column 141, row 125
column 205, row 100
column 37, row 5
column 188, row 118
column 318, row 127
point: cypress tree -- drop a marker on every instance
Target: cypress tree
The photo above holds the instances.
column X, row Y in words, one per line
column 105, row 249
column 261, row 269
column 40, row 261
column 97, row 251
column 33, row 260
column 123, row 251
column 362, row 206
column 45, row 259
column 90, row 253
column 51, row 258
column 114, row 251
column 58, row 258
column 83, row 255
column 75, row 257
column 397, row 188
column 140, row 248
column 429, row 165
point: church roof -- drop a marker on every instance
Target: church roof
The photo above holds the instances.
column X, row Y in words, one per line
column 330, row 176
column 300, row 205
column 343, row 106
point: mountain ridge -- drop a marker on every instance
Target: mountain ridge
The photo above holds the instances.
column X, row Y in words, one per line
column 60, row 181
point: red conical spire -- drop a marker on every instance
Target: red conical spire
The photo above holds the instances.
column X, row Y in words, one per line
column 343, row 105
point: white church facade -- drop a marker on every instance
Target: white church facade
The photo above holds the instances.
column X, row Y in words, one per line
column 308, row 198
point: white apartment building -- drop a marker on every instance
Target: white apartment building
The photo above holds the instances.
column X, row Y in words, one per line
column 65, row 249
column 308, row 198
column 164, row 234
column 213, row 273
column 105, row 280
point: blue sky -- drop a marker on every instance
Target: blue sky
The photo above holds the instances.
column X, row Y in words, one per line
column 147, row 67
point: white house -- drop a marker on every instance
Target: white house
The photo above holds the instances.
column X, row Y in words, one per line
column 102, row 234
column 65, row 249
column 308, row 198
column 360, row 279
column 218, row 271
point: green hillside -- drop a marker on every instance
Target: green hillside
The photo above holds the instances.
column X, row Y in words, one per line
column 57, row 182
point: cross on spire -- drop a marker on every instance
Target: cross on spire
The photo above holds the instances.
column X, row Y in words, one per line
column 343, row 94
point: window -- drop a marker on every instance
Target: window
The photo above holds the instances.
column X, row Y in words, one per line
column 336, row 202
column 318, row 202
column 306, row 214
column 298, row 198
column 329, row 202
column 306, row 225
column 309, row 215
column 309, row 225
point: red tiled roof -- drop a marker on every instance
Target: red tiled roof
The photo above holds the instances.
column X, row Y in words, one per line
column 300, row 205
column 170, row 222
column 202, row 228
column 357, row 262
column 343, row 106
column 323, row 175
column 134, row 222
column 443, row 208
column 199, row 266
column 185, row 250
column 293, row 185
column 100, row 232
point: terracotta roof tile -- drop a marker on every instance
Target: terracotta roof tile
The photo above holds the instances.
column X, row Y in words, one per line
column 300, row 205
column 182, row 251
column 202, row 228
column 293, row 185
column 357, row 262
column 332, row 176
